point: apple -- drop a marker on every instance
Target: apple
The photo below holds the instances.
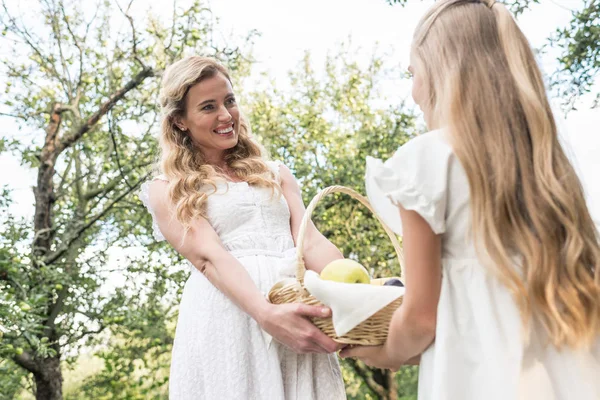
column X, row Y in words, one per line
column 346, row 271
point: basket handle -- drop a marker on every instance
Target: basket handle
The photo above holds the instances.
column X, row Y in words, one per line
column 300, row 267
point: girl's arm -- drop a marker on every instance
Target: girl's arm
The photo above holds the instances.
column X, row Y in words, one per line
column 412, row 328
column 203, row 248
column 318, row 251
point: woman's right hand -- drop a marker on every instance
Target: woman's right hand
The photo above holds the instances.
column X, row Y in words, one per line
column 290, row 324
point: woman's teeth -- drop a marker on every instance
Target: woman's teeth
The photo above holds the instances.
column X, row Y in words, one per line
column 224, row 131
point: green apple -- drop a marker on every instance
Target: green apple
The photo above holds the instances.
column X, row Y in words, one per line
column 346, row 271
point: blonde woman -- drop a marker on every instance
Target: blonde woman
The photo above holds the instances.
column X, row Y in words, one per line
column 502, row 256
column 235, row 217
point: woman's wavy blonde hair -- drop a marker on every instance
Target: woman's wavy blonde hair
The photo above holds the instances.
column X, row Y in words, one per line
column 183, row 163
column 527, row 201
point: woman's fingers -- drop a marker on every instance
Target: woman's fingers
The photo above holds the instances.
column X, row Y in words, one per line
column 313, row 311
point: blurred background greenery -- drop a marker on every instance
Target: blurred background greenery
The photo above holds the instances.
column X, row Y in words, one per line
column 88, row 299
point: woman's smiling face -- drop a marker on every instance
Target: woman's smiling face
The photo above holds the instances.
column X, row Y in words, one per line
column 211, row 117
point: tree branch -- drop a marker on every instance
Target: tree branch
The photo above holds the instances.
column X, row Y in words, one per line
column 63, row 178
column 67, row 141
column 26, row 362
column 54, row 23
column 55, row 309
column 116, row 147
column 90, row 194
column 14, row 116
column 366, row 376
column 44, row 191
column 134, row 39
column 86, row 333
column 76, row 43
column 174, row 18
column 25, row 35
column 64, row 247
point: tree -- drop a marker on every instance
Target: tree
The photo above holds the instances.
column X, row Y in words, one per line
column 580, row 58
column 80, row 87
column 323, row 130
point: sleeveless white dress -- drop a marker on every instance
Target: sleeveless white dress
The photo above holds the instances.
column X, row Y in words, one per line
column 219, row 351
column 481, row 351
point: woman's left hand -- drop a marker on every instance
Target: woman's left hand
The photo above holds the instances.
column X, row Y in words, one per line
column 374, row 356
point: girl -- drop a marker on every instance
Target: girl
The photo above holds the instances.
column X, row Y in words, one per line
column 502, row 257
column 235, row 217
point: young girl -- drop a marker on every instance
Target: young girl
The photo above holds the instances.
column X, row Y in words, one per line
column 235, row 217
column 502, row 257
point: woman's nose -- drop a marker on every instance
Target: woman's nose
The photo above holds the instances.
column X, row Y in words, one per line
column 224, row 115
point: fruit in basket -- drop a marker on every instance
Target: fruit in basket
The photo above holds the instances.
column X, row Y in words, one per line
column 345, row 271
column 393, row 282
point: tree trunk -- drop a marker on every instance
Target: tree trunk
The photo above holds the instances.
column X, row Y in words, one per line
column 391, row 388
column 49, row 381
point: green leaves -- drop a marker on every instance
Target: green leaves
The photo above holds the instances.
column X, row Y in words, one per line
column 580, row 58
column 92, row 277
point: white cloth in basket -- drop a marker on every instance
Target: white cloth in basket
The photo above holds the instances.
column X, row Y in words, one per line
column 350, row 303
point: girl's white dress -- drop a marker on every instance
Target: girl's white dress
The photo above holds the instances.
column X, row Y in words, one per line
column 219, row 351
column 480, row 350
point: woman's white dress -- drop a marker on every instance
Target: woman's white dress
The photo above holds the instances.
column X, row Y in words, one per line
column 481, row 351
column 219, row 351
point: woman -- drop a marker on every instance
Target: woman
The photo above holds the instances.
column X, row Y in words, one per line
column 235, row 217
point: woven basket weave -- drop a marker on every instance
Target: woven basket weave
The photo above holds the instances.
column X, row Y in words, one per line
column 372, row 331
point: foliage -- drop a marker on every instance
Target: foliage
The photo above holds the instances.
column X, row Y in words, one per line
column 84, row 95
column 580, row 58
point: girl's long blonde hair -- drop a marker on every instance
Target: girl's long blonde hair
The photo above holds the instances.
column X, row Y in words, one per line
column 183, row 163
column 527, row 201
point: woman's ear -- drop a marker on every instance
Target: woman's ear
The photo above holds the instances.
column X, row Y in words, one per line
column 179, row 123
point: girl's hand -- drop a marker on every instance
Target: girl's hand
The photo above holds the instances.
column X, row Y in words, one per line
column 374, row 356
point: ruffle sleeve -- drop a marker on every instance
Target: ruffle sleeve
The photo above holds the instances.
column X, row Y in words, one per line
column 415, row 177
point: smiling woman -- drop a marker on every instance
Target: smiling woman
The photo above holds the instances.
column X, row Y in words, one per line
column 215, row 202
column 205, row 137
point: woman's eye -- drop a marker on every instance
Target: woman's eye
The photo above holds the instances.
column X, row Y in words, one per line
column 230, row 101
column 207, row 107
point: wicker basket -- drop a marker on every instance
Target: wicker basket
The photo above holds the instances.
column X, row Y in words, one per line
column 372, row 331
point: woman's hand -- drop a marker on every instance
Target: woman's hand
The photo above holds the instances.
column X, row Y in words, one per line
column 374, row 356
column 290, row 324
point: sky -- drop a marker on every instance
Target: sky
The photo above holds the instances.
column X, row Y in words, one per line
column 289, row 28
